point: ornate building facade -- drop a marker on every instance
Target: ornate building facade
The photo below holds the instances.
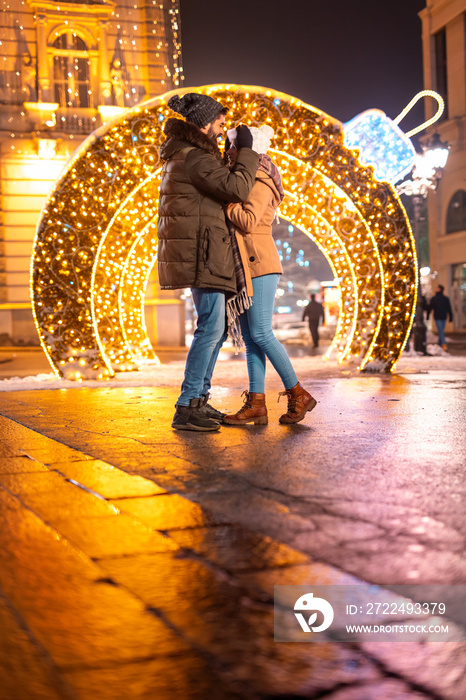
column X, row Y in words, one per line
column 444, row 51
column 65, row 67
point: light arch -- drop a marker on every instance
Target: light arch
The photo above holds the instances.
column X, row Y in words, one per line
column 96, row 239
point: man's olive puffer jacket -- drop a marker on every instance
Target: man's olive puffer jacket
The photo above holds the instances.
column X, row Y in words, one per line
column 194, row 244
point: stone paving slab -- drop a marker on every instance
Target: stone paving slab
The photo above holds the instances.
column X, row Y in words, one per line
column 166, row 512
column 437, row 668
column 20, row 465
column 107, row 481
column 79, row 616
column 54, row 498
column 236, row 549
column 386, row 690
column 189, row 678
column 26, row 670
column 115, row 536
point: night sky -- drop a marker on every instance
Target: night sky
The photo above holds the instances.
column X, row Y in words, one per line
column 341, row 56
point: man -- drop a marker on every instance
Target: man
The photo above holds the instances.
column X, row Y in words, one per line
column 440, row 305
column 194, row 243
column 314, row 311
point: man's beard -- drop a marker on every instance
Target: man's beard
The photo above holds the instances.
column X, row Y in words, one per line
column 212, row 135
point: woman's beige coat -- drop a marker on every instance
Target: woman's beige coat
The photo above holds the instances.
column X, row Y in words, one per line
column 253, row 223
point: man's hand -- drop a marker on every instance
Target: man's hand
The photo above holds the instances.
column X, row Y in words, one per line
column 243, row 137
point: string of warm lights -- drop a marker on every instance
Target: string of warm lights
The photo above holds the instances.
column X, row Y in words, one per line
column 325, row 212
column 158, row 18
column 119, row 283
column 77, row 57
column 420, row 95
column 96, row 239
column 134, row 279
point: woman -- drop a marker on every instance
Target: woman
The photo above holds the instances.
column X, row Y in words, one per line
column 253, row 223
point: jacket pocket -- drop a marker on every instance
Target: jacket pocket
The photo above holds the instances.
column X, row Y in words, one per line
column 217, row 254
column 252, row 252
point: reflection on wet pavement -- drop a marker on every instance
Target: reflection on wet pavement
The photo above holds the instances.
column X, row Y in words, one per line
column 139, row 563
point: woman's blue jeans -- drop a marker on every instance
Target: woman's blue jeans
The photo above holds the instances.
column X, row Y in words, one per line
column 209, row 337
column 260, row 342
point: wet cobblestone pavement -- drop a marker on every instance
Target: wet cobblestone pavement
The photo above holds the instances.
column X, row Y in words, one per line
column 138, row 562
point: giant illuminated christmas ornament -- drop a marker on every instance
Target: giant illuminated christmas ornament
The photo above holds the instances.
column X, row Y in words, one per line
column 382, row 144
column 96, row 241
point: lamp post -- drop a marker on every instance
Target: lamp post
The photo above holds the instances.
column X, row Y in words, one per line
column 426, row 174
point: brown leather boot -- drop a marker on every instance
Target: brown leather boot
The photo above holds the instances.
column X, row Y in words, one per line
column 299, row 402
column 253, row 411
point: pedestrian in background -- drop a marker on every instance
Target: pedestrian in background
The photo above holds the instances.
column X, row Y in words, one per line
column 253, row 220
column 441, row 307
column 195, row 246
column 419, row 329
column 314, row 311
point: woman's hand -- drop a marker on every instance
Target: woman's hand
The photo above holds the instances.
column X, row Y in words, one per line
column 243, row 137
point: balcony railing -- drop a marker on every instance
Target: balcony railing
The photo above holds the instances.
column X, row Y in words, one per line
column 77, row 121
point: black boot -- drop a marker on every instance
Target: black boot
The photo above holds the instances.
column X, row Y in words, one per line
column 191, row 418
column 209, row 411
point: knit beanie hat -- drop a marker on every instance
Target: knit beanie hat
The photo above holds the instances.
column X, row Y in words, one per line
column 260, row 137
column 196, row 108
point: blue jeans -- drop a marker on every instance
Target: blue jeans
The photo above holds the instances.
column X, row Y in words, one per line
column 260, row 342
column 440, row 323
column 209, row 337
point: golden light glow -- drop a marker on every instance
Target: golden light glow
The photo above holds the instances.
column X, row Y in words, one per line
column 96, row 241
column 108, row 112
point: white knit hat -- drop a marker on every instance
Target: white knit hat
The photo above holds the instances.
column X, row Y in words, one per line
column 260, row 137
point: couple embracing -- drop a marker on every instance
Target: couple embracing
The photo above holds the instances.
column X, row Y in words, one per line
column 215, row 236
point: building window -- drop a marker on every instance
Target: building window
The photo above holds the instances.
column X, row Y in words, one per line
column 71, row 71
column 458, row 295
column 441, row 75
column 456, row 213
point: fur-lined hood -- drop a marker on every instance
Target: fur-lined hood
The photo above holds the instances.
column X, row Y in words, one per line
column 179, row 133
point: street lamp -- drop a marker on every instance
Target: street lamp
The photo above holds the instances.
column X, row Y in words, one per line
column 426, row 174
column 428, row 168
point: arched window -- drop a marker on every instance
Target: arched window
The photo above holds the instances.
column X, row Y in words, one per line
column 71, row 71
column 456, row 214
